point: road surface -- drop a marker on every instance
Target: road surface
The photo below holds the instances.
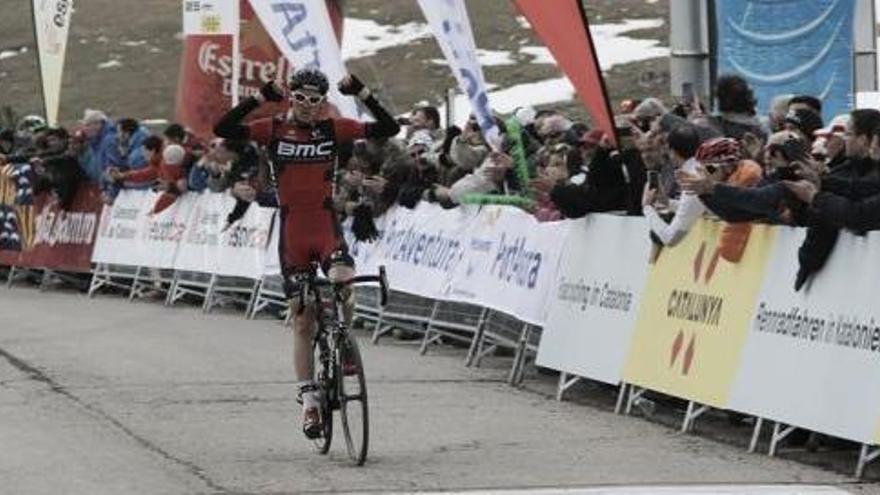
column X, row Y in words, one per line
column 104, row 396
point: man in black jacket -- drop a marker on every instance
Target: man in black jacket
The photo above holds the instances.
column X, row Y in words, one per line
column 615, row 181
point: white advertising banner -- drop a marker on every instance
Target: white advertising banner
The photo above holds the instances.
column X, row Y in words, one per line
column 188, row 235
column 202, row 17
column 494, row 256
column 510, row 262
column 812, row 357
column 129, row 235
column 52, row 24
column 238, row 251
column 594, row 301
column 303, row 32
column 451, row 27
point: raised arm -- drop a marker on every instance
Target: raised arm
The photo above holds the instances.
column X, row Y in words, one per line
column 385, row 125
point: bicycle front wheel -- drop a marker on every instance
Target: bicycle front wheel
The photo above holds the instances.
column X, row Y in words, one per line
column 322, row 375
column 352, row 392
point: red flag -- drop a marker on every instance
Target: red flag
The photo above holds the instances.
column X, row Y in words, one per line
column 564, row 28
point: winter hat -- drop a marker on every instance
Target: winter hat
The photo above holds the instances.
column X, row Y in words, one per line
column 649, row 108
column 421, row 138
column 555, row 124
column 593, row 137
column 525, row 115
column 836, row 126
column 93, row 116
column 806, row 120
column 173, row 154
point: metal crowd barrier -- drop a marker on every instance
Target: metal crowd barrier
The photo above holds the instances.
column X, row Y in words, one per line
column 269, row 293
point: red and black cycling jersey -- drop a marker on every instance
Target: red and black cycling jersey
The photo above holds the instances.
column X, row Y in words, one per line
column 303, row 158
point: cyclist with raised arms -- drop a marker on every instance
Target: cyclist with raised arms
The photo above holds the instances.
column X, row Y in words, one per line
column 302, row 149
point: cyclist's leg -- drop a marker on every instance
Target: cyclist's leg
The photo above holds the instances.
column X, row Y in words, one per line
column 303, row 327
column 337, row 262
column 294, row 252
column 340, row 267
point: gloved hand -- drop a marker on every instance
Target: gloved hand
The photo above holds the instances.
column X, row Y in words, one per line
column 362, row 225
column 350, row 85
column 271, row 92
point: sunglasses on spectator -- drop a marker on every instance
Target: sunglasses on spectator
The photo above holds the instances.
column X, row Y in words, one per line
column 304, row 98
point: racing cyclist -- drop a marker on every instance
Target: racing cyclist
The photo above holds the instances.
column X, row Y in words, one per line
column 302, row 147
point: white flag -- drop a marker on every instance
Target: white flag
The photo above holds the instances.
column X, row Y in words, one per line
column 304, row 34
column 209, row 17
column 51, row 23
column 452, row 28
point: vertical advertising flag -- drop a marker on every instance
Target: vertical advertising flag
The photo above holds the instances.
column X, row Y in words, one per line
column 565, row 30
column 51, row 25
column 452, row 28
column 303, row 31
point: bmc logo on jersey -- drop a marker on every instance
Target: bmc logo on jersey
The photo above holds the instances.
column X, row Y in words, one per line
column 305, row 151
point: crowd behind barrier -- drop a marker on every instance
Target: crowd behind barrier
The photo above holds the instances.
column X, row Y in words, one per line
column 725, row 316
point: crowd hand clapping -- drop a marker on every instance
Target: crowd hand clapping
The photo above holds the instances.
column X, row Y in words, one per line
column 353, row 178
column 375, row 184
column 497, row 165
column 244, row 191
column 115, row 174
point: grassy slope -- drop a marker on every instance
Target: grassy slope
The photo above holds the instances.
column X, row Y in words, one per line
column 145, row 85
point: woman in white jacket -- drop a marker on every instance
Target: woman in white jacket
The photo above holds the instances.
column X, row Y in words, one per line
column 683, row 142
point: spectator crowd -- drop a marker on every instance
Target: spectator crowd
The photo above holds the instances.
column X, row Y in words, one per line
column 672, row 162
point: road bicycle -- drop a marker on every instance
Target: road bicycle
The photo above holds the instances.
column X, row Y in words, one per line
column 337, row 368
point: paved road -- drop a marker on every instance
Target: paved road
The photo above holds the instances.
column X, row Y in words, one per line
column 102, row 396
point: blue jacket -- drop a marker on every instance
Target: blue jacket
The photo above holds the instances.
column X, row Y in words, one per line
column 103, row 152
column 134, row 156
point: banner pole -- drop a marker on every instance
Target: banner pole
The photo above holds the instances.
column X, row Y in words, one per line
column 236, row 51
column 40, row 62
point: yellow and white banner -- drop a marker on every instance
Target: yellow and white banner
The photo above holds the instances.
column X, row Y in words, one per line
column 694, row 316
column 52, row 24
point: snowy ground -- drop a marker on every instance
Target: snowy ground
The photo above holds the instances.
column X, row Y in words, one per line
column 365, row 38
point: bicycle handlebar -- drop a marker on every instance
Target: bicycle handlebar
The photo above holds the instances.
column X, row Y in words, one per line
column 381, row 279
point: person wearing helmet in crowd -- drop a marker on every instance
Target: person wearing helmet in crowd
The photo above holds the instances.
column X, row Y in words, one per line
column 302, row 146
column 28, row 126
column 721, row 161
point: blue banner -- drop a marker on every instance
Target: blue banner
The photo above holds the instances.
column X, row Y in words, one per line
column 789, row 46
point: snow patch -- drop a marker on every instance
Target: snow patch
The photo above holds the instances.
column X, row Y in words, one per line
column 487, row 58
column 12, row 53
column 365, row 37
column 110, row 64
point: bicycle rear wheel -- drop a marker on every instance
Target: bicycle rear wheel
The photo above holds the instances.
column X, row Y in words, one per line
column 322, row 374
column 352, row 390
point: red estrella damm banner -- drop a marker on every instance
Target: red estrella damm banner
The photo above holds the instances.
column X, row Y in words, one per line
column 54, row 238
column 695, row 314
column 204, row 87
